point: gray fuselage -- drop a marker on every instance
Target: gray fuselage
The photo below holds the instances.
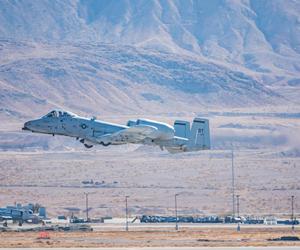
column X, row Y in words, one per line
column 73, row 126
column 141, row 131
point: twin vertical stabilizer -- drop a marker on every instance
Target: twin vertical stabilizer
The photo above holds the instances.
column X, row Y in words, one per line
column 182, row 128
column 198, row 134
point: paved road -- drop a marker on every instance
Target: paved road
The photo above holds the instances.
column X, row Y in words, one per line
column 171, row 248
column 158, row 226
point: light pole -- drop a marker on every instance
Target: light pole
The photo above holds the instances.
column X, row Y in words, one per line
column 232, row 185
column 238, row 205
column 238, row 212
column 293, row 220
column 126, row 204
column 87, row 206
column 176, row 216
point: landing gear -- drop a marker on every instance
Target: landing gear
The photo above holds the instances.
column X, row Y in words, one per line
column 83, row 142
column 88, row 146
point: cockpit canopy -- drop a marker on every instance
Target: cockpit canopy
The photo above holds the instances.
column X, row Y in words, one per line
column 59, row 113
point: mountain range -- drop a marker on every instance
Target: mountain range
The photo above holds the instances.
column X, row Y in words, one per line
column 160, row 59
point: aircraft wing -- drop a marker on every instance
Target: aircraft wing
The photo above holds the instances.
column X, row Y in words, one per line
column 6, row 217
column 133, row 134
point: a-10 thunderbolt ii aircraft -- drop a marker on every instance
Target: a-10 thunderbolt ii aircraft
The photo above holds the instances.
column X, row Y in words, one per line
column 178, row 138
column 16, row 214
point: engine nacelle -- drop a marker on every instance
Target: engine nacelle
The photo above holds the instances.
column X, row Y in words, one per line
column 164, row 130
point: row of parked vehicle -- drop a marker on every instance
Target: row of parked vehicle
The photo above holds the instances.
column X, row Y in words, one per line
column 215, row 219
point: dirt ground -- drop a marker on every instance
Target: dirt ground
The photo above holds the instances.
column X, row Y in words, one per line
column 264, row 182
column 185, row 237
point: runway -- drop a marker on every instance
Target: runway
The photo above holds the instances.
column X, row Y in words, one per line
column 165, row 226
column 157, row 236
column 169, row 248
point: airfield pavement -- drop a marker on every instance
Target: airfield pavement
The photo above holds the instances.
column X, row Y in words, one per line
column 185, row 237
column 172, row 248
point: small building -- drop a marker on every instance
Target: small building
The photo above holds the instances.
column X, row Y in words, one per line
column 270, row 220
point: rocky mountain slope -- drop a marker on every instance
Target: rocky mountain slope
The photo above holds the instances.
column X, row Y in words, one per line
column 247, row 32
column 105, row 79
column 165, row 59
column 232, row 53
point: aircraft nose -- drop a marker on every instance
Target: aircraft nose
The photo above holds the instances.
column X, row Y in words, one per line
column 27, row 125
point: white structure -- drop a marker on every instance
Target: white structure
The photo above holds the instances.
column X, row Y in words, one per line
column 121, row 220
column 271, row 220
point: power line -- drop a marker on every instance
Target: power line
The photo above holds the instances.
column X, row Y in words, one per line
column 87, row 206
column 176, row 215
column 232, row 185
column 293, row 219
column 126, row 208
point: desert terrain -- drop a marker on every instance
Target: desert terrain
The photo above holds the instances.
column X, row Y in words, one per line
column 184, row 238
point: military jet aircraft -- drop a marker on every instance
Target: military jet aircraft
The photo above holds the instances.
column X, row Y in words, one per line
column 16, row 214
column 178, row 138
